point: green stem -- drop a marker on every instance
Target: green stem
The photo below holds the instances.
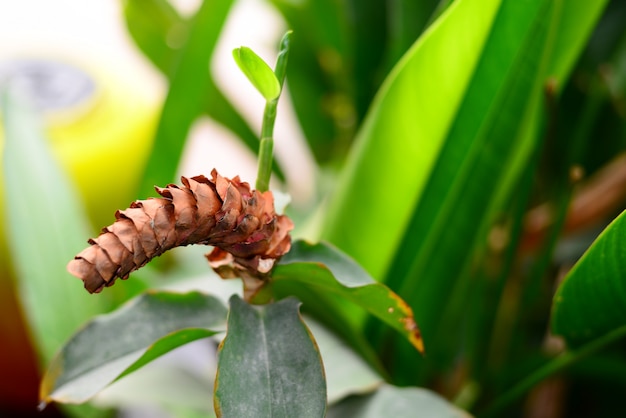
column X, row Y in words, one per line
column 266, row 146
column 554, row 366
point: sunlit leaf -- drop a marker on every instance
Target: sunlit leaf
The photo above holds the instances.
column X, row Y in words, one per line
column 321, row 266
column 403, row 134
column 258, row 72
column 113, row 345
column 428, row 178
column 269, row 364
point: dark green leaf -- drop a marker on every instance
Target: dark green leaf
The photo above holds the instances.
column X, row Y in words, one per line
column 258, row 72
column 319, row 79
column 392, row 401
column 186, row 97
column 591, row 300
column 324, row 267
column 116, row 344
column 268, row 364
column 46, row 228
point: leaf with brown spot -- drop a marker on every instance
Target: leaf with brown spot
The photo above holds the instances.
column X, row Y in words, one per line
column 325, row 268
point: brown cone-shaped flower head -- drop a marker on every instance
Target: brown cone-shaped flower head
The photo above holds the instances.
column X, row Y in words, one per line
column 240, row 223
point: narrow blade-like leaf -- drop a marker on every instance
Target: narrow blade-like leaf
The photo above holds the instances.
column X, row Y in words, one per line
column 160, row 32
column 185, row 99
column 269, row 364
column 115, row 344
column 46, row 227
column 402, row 136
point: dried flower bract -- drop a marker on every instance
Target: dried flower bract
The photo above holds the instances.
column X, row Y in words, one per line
column 240, row 223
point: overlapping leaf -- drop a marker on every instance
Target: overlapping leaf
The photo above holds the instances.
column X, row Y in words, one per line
column 113, row 345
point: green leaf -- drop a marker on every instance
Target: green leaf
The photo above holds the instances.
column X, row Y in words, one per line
column 161, row 33
column 258, row 72
column 186, row 97
column 318, row 74
column 46, row 227
column 392, row 401
column 402, row 136
column 268, row 364
column 323, row 267
column 158, row 30
column 591, row 300
column 179, row 382
column 116, row 344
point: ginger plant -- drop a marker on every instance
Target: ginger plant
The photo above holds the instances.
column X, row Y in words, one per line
column 268, row 350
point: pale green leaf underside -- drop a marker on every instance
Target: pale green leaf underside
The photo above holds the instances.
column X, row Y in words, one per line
column 115, row 344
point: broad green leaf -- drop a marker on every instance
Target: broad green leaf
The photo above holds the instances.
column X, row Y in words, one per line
column 323, row 267
column 269, row 364
column 186, row 96
column 46, row 228
column 591, row 300
column 116, row 344
column 402, row 136
column 258, row 72
column 396, row 402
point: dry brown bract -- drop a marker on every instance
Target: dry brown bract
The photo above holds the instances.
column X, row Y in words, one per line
column 239, row 222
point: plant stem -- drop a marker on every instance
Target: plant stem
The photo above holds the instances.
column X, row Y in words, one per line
column 552, row 367
column 266, row 146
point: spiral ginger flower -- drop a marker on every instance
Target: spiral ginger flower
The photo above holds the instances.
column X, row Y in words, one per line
column 240, row 223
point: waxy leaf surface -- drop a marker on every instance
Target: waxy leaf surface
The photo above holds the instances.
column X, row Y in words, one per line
column 269, row 364
column 326, row 268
